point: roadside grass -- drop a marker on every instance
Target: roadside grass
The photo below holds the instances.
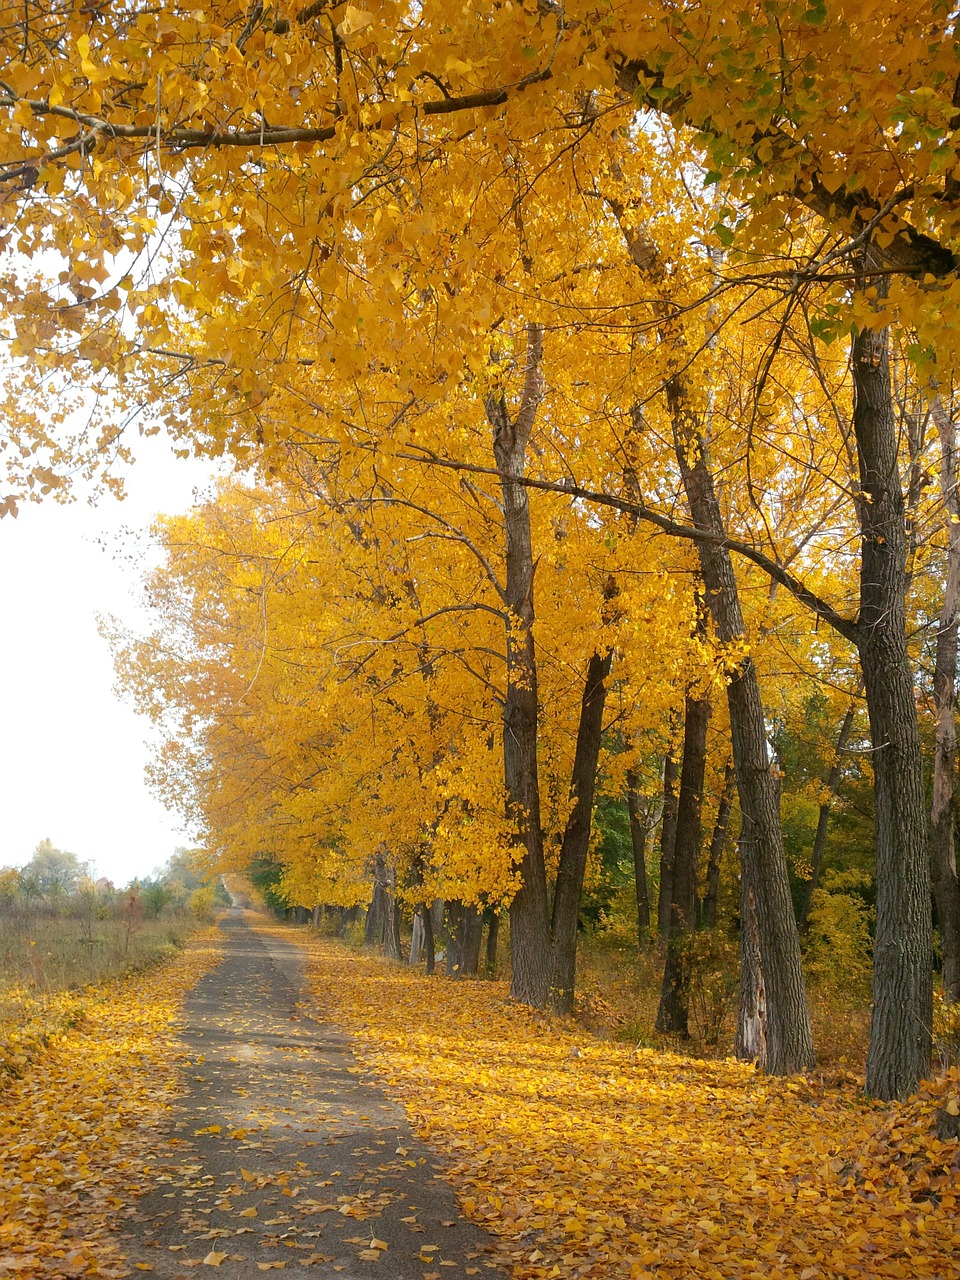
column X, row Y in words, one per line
column 51, row 961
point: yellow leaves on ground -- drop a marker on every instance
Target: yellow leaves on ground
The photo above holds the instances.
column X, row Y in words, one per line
column 30, row 1023
column 75, row 1127
column 632, row 1164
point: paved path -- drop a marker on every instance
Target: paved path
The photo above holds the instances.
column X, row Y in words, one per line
column 283, row 1156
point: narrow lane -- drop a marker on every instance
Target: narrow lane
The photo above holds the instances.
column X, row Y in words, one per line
column 283, row 1155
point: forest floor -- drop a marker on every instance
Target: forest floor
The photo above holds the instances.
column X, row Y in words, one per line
column 215, row 1112
column 595, row 1159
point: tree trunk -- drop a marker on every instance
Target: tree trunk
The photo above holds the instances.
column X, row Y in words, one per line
column 668, row 840
column 672, row 1015
column 832, row 781
column 750, row 1044
column 529, row 915
column 470, row 931
column 943, row 860
column 638, row 840
column 576, row 837
column 453, row 959
column 493, row 937
column 392, row 947
column 789, row 1034
column 711, row 895
column 416, row 940
column 376, row 914
column 429, row 945
column 900, row 1034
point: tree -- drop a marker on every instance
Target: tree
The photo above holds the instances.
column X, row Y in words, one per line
column 371, row 231
column 51, row 872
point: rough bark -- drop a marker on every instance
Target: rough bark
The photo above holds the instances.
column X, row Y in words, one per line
column 900, row 1034
column 416, row 940
column 429, row 945
column 711, row 895
column 576, row 836
column 469, row 937
column 493, row 938
column 943, row 860
column 672, row 1014
column 452, row 958
column 392, row 947
column 376, row 913
column 529, row 915
column 832, row 781
column 750, row 1043
column 668, row 840
column 638, row 841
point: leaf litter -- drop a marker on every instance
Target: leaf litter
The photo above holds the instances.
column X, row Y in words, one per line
column 594, row 1159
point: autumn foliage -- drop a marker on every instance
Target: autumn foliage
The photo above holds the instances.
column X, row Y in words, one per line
column 592, row 374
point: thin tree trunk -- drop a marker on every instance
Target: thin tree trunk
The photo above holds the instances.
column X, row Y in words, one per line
column 711, row 895
column 529, row 915
column 576, row 836
column 672, row 1014
column 946, row 885
column 453, row 958
column 789, row 1033
column 668, row 841
column 638, row 840
column 392, row 947
column 832, row 781
column 750, row 1044
column 429, row 945
column 493, row 937
column 900, row 1034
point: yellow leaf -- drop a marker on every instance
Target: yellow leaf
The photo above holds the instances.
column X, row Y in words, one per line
column 213, row 1259
column 248, row 1213
column 353, row 20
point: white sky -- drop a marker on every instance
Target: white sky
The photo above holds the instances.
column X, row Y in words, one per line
column 72, row 754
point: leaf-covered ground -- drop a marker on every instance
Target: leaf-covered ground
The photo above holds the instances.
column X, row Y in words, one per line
column 84, row 1083
column 597, row 1160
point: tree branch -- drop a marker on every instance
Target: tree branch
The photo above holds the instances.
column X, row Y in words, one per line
column 845, row 627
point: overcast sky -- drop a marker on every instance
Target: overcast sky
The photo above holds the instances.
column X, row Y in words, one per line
column 71, row 754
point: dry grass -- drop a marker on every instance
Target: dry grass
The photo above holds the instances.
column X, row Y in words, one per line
column 50, row 960
column 46, row 951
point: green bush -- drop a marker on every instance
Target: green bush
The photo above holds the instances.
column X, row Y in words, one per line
column 838, row 945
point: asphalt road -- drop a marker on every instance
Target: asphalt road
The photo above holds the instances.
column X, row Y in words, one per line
column 284, row 1155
